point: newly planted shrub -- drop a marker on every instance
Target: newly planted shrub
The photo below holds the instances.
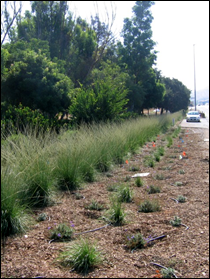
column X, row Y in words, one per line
column 139, row 182
column 82, row 256
column 116, row 214
column 149, row 206
column 135, row 241
column 153, row 189
column 176, row 222
column 61, row 232
column 124, row 194
column 167, row 273
column 181, row 199
column 94, row 205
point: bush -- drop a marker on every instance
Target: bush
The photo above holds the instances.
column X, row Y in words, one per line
column 82, row 256
column 153, row 189
column 149, row 206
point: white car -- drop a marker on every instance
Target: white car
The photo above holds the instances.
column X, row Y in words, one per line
column 193, row 116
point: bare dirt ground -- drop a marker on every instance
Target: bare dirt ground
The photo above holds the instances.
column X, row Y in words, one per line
column 185, row 250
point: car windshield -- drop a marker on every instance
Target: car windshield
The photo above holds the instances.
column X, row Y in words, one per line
column 193, row 113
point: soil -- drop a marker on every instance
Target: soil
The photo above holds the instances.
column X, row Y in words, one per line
column 186, row 250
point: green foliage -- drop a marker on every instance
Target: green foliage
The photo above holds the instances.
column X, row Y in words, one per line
column 168, row 272
column 82, row 256
column 100, row 103
column 153, row 189
column 116, row 214
column 124, row 194
column 181, row 199
column 139, row 182
column 170, row 141
column 61, row 232
column 35, row 82
column 176, row 222
column 149, row 206
column 135, row 241
column 14, row 214
column 94, row 205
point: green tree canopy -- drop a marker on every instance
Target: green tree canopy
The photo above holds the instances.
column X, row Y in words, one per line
column 35, row 81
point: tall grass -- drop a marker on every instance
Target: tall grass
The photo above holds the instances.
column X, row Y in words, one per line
column 44, row 160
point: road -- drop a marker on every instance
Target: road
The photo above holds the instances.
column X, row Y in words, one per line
column 204, row 124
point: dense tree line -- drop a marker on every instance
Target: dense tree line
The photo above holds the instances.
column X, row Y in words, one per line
column 56, row 63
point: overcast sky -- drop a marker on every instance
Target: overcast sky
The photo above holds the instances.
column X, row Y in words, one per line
column 177, row 26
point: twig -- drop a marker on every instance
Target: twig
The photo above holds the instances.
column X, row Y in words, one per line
column 164, row 268
column 174, row 200
column 93, row 230
column 185, row 226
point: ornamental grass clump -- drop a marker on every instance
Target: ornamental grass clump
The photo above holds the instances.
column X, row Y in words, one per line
column 181, row 199
column 82, row 256
column 61, row 232
column 116, row 214
column 167, row 272
column 149, row 206
column 139, row 182
column 124, row 194
column 94, row 205
column 176, row 222
column 153, row 189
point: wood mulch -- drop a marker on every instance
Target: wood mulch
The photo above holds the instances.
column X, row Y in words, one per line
column 184, row 250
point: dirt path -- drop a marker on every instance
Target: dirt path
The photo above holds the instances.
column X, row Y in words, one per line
column 185, row 250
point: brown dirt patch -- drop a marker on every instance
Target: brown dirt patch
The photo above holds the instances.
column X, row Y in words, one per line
column 187, row 251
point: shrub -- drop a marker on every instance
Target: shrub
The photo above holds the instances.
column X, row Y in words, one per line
column 181, row 199
column 153, row 189
column 139, row 182
column 116, row 214
column 167, row 273
column 135, row 241
column 176, row 222
column 149, row 206
column 61, row 232
column 95, row 206
column 82, row 256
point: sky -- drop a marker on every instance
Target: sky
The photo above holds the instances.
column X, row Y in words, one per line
column 180, row 30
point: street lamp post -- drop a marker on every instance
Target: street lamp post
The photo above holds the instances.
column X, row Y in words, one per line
column 194, row 77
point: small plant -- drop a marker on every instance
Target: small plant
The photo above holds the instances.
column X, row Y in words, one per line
column 134, row 168
column 161, row 150
column 61, row 232
column 181, row 172
column 149, row 162
column 153, row 189
column 181, row 199
column 127, row 178
column 112, row 188
column 149, row 206
column 135, row 241
column 167, row 273
column 178, row 183
column 170, row 141
column 157, row 157
column 139, row 182
column 159, row 176
column 95, row 206
column 124, row 194
column 78, row 196
column 176, row 222
column 42, row 217
column 82, row 256
column 116, row 214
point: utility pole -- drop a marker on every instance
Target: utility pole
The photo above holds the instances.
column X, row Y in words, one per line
column 194, row 77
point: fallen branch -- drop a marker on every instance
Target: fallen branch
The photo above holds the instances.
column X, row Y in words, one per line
column 164, row 268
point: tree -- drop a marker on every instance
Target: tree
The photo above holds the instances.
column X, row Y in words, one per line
column 104, row 99
column 137, row 52
column 35, row 81
column 9, row 13
column 177, row 95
